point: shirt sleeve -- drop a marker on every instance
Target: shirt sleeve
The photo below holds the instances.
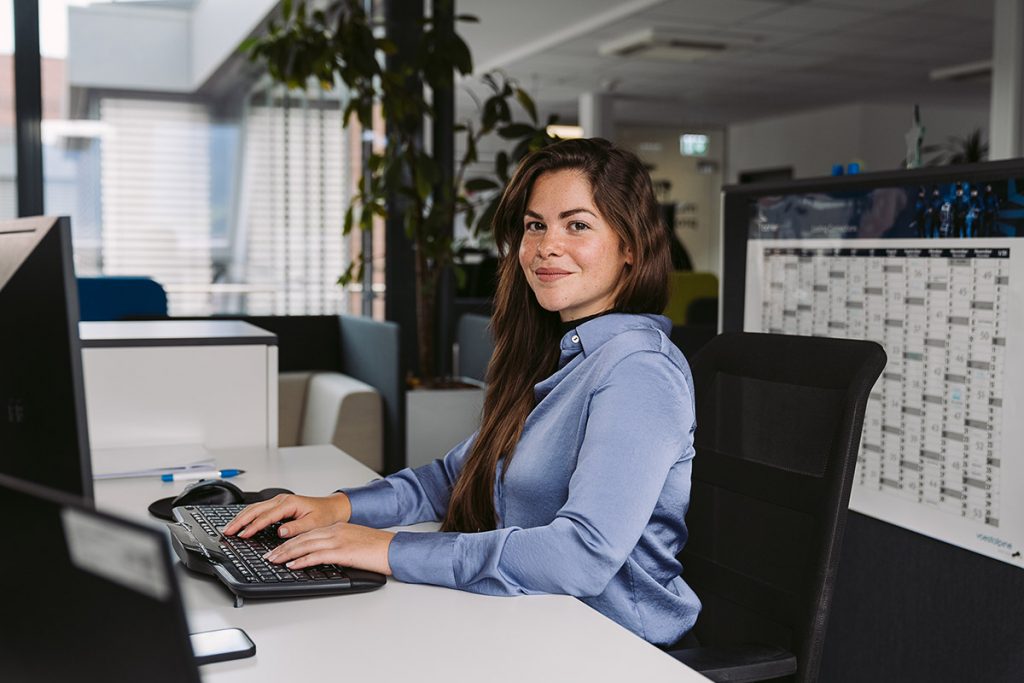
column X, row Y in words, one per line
column 411, row 495
column 639, row 426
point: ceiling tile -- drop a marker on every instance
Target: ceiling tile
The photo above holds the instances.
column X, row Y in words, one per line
column 917, row 26
column 804, row 19
column 713, row 12
column 880, row 5
column 975, row 9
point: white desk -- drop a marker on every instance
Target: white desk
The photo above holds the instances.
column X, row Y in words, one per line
column 402, row 632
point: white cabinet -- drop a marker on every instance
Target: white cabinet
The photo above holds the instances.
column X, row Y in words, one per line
column 209, row 383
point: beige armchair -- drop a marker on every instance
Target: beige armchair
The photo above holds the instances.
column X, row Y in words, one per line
column 319, row 407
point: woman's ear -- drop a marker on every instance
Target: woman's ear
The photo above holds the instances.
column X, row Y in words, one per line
column 629, row 256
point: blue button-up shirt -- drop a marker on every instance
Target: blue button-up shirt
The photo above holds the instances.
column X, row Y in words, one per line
column 593, row 500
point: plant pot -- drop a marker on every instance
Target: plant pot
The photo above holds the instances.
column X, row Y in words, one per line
column 437, row 419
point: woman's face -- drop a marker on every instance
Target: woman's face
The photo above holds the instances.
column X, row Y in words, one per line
column 571, row 256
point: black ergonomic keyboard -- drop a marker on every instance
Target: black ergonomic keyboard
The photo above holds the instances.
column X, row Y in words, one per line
column 238, row 562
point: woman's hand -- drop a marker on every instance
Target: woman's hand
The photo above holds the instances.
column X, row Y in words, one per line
column 349, row 545
column 308, row 513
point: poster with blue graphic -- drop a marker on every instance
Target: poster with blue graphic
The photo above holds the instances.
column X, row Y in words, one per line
column 940, row 210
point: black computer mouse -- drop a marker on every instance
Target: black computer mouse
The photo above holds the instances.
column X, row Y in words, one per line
column 210, row 492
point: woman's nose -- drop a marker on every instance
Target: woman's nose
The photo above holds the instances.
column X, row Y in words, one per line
column 550, row 243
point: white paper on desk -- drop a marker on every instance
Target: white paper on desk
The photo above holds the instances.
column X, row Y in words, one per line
column 205, row 464
column 116, row 552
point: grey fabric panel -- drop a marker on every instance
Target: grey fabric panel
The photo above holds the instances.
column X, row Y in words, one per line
column 475, row 346
column 371, row 352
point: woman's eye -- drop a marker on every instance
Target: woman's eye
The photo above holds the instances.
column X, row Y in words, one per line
column 534, row 226
column 579, row 226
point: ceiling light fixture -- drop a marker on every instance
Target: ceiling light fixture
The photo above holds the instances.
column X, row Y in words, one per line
column 564, row 132
column 652, row 43
column 970, row 71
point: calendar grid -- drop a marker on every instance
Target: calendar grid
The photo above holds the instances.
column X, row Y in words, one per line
column 933, row 421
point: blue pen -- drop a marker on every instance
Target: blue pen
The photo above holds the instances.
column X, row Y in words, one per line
column 203, row 474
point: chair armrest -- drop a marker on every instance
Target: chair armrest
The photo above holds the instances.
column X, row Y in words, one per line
column 738, row 664
column 347, row 413
column 291, row 402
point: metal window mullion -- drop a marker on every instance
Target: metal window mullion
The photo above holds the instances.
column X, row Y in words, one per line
column 28, row 108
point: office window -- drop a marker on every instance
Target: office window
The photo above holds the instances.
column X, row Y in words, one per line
column 189, row 169
column 155, row 197
column 8, row 154
column 294, row 192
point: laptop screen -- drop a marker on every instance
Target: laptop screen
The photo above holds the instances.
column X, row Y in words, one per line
column 87, row 596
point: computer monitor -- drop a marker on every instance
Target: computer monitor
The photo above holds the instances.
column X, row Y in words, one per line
column 43, row 433
column 88, row 596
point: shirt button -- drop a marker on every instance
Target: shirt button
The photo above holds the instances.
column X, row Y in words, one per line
column 575, row 339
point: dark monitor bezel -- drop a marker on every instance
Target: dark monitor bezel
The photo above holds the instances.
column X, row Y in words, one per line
column 59, row 228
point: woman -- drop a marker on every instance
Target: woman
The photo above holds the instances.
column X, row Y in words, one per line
column 579, row 476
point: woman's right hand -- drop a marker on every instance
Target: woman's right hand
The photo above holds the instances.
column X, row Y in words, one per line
column 307, row 513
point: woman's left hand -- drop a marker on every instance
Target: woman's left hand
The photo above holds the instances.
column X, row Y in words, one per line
column 349, row 545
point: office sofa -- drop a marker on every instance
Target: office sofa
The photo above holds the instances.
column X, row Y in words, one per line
column 331, row 407
column 330, row 364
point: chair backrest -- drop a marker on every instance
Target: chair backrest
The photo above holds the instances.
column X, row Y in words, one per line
column 474, row 346
column 778, row 429
column 117, row 297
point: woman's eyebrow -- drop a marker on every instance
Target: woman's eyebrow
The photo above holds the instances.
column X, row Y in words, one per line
column 563, row 214
column 566, row 214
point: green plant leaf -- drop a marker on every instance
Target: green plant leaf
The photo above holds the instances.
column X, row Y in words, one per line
column 514, row 131
column 286, row 9
column 423, row 186
column 347, row 227
column 347, row 277
column 526, row 102
column 460, row 55
column 483, row 225
column 249, row 43
column 481, row 184
column 501, row 165
column 491, row 115
column 460, row 276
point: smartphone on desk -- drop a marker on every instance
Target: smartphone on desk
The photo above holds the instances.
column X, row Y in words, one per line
column 221, row 645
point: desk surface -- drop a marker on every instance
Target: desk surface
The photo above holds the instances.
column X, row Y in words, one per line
column 172, row 333
column 402, row 632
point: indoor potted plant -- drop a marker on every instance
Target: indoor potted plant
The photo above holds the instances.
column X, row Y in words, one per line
column 339, row 42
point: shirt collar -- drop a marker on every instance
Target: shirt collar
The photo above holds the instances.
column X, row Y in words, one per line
column 592, row 334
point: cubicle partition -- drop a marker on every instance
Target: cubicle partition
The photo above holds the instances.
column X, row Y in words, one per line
column 169, row 383
column 930, row 264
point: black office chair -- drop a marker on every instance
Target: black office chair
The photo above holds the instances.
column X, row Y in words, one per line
column 778, row 428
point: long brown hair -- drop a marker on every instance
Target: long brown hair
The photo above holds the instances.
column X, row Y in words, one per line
column 526, row 337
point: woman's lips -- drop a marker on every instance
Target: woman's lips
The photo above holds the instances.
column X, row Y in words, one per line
column 550, row 274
